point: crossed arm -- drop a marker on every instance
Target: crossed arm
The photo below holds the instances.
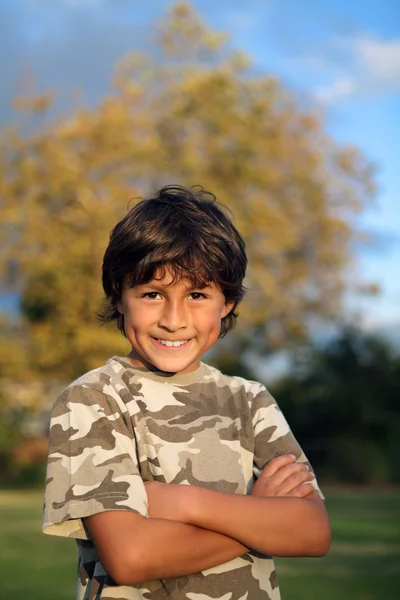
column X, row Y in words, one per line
column 191, row 529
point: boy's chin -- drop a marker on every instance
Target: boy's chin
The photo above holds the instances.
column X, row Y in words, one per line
column 173, row 365
column 179, row 361
column 176, row 367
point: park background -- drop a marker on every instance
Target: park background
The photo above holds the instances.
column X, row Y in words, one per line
column 288, row 112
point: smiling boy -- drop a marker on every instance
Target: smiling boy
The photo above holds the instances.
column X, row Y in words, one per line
column 176, row 480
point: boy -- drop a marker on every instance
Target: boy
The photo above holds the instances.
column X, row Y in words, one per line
column 177, row 481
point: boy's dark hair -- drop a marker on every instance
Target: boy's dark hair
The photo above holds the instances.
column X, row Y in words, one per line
column 184, row 228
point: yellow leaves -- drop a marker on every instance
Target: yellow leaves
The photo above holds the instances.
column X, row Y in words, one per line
column 183, row 29
column 36, row 104
column 130, row 73
column 14, row 361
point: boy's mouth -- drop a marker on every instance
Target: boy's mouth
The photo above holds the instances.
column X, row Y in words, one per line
column 171, row 343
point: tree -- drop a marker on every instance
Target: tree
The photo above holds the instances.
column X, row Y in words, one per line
column 193, row 112
column 342, row 401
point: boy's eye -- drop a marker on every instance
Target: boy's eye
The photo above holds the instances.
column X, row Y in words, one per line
column 197, row 296
column 151, row 295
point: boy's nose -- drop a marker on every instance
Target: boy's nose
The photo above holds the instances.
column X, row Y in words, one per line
column 173, row 317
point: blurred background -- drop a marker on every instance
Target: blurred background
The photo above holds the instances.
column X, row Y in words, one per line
column 287, row 111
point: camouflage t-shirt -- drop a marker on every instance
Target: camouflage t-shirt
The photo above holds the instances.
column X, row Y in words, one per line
column 120, row 426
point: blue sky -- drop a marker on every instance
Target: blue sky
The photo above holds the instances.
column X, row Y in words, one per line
column 345, row 56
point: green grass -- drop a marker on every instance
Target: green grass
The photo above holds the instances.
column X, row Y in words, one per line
column 33, row 566
column 363, row 563
column 364, row 560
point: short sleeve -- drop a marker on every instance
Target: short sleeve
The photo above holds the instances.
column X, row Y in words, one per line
column 272, row 435
column 92, row 462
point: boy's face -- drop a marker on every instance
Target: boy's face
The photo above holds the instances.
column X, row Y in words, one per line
column 171, row 326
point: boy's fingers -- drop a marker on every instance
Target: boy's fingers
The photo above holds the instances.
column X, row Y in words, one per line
column 285, row 471
column 294, row 481
column 302, row 490
column 277, row 463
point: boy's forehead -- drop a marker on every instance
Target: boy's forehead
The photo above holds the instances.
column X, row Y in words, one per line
column 169, row 277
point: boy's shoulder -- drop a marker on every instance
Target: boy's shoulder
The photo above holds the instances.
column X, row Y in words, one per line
column 234, row 382
column 109, row 379
column 111, row 372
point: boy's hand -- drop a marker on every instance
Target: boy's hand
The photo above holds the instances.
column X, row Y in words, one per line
column 284, row 477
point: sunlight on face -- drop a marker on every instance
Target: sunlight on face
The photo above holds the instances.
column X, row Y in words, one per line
column 170, row 324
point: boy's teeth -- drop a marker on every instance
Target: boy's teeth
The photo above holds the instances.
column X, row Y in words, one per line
column 169, row 343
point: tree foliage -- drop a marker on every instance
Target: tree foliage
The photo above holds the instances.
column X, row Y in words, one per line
column 342, row 401
column 191, row 112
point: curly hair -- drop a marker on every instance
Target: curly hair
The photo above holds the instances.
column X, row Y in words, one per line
column 182, row 228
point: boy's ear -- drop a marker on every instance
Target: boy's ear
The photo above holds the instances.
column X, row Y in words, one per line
column 228, row 306
column 119, row 308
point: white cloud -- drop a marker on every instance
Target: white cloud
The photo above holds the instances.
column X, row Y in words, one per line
column 367, row 66
column 380, row 59
column 340, row 88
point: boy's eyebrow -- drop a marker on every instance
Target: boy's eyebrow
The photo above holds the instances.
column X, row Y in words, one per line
column 156, row 284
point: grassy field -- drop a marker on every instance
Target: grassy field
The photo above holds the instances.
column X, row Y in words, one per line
column 364, row 560
column 363, row 563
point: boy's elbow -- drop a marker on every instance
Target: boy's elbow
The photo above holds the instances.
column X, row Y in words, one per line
column 326, row 540
column 130, row 570
column 322, row 537
column 127, row 577
column 112, row 532
column 318, row 529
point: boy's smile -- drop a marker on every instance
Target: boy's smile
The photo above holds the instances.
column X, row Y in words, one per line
column 170, row 325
